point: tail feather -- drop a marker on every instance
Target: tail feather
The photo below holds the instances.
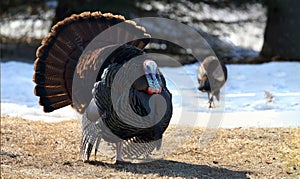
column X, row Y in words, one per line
column 60, row 50
column 50, row 70
column 46, row 80
column 52, row 103
column 51, row 90
column 55, row 99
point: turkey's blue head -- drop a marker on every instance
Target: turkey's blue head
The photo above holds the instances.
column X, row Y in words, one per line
column 152, row 77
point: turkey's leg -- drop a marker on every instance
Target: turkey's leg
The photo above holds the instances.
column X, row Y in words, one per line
column 119, row 151
column 119, row 158
column 210, row 100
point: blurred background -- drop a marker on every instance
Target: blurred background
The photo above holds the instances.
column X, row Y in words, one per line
column 239, row 31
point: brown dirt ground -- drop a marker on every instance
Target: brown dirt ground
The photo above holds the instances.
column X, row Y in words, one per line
column 34, row 149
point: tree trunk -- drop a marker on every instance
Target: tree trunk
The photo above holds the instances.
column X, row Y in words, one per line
column 282, row 37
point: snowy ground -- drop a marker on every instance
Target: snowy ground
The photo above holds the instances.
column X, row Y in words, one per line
column 244, row 102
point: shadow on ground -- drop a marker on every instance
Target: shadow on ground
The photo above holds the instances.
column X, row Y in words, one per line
column 171, row 168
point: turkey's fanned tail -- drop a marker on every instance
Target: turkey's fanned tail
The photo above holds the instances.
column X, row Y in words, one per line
column 61, row 50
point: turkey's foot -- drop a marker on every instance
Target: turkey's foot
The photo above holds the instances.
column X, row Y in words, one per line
column 118, row 162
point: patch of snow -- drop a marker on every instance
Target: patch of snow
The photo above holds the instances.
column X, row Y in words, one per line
column 244, row 102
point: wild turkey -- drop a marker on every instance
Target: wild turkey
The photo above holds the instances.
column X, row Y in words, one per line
column 99, row 81
column 212, row 75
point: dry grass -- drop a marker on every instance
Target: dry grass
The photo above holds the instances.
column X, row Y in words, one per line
column 51, row 150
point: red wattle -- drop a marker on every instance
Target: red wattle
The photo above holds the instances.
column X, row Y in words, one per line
column 150, row 91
